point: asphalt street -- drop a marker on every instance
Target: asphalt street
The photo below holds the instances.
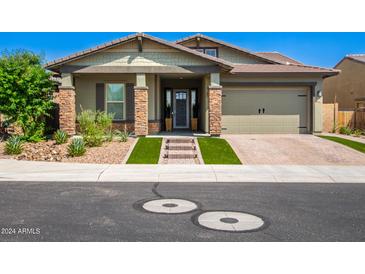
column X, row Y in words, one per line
column 59, row 211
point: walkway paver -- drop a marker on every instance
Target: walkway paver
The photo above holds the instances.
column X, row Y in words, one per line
column 305, row 149
column 182, row 150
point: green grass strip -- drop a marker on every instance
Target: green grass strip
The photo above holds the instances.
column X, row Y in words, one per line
column 146, row 151
column 353, row 144
column 216, row 151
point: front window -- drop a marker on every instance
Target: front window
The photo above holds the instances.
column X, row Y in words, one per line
column 211, row 52
column 194, row 104
column 115, row 100
column 168, row 106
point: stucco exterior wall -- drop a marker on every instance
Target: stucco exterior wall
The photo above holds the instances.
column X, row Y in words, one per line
column 347, row 86
column 85, row 88
column 226, row 53
column 204, row 107
column 153, row 54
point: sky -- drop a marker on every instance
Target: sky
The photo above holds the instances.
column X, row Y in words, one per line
column 317, row 49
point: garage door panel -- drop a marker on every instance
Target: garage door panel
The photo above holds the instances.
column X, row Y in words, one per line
column 284, row 111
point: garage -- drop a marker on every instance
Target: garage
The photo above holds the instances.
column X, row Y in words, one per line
column 266, row 110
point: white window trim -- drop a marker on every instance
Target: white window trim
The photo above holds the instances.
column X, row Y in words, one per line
column 115, row 102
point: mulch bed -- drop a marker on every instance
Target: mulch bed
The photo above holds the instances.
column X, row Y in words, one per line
column 109, row 153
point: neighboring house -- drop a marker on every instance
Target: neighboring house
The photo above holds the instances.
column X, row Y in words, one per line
column 348, row 88
column 144, row 79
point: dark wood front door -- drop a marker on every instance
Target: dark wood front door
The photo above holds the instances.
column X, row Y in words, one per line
column 181, row 108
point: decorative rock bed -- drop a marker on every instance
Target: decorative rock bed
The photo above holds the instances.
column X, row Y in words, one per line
column 109, row 153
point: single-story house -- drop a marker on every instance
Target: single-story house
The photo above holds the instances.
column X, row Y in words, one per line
column 144, row 80
column 348, row 88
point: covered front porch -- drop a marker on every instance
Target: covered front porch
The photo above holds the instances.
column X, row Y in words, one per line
column 144, row 103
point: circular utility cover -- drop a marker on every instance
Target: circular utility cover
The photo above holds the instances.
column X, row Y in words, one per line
column 169, row 206
column 230, row 221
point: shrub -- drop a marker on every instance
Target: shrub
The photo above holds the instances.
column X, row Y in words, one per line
column 122, row 135
column 94, row 125
column 25, row 92
column 345, row 130
column 104, row 121
column 60, row 137
column 94, row 137
column 14, row 145
column 86, row 120
column 109, row 136
column 76, row 147
column 357, row 132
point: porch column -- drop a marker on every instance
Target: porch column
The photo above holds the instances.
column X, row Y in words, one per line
column 215, row 105
column 141, row 106
column 215, row 110
column 67, row 109
column 67, row 105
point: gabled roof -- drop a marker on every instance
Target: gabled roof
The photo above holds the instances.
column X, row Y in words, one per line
column 53, row 64
column 354, row 57
column 272, row 67
column 278, row 57
column 214, row 40
column 281, row 68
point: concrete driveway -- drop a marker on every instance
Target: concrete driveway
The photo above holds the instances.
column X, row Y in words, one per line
column 306, row 149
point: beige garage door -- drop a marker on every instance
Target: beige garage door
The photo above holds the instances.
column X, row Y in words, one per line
column 265, row 110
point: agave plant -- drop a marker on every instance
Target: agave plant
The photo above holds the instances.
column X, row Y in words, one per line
column 122, row 135
column 60, row 137
column 14, row 145
column 76, row 147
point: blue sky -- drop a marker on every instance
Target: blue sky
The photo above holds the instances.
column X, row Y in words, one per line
column 320, row 49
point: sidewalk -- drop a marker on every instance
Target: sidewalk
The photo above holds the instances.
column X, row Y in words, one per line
column 12, row 170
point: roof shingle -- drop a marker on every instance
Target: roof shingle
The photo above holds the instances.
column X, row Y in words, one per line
column 357, row 57
column 277, row 56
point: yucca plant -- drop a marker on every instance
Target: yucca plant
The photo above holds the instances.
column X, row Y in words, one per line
column 76, row 147
column 14, row 145
column 60, row 137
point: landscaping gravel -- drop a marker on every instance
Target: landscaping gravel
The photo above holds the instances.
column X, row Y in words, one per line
column 109, row 153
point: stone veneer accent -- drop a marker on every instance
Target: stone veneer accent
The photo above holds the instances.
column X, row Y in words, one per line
column 124, row 125
column 215, row 110
column 141, row 111
column 154, row 127
column 66, row 101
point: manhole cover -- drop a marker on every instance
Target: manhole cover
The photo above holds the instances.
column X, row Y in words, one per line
column 229, row 221
column 169, row 206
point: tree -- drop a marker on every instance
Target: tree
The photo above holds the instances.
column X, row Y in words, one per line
column 25, row 92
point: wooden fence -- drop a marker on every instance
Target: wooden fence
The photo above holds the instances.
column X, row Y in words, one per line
column 333, row 118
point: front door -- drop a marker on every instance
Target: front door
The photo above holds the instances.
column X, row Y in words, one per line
column 181, row 109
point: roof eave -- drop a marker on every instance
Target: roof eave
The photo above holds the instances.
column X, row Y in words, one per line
column 287, row 73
